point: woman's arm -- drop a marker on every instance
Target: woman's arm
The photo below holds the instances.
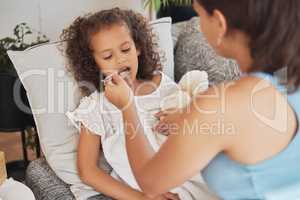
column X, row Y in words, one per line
column 87, row 162
column 187, row 150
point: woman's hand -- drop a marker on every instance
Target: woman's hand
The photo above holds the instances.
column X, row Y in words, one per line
column 118, row 92
column 166, row 196
column 171, row 196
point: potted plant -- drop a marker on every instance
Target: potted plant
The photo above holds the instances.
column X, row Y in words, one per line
column 17, row 43
column 14, row 119
column 156, row 4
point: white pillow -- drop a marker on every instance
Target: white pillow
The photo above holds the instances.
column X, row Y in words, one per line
column 162, row 27
column 52, row 91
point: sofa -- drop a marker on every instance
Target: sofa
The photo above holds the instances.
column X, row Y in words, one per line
column 190, row 51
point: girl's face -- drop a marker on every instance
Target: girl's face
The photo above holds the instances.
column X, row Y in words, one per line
column 114, row 50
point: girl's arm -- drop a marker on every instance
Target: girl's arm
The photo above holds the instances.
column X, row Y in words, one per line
column 186, row 152
column 89, row 172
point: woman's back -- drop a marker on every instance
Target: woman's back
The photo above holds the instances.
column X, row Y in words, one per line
column 256, row 175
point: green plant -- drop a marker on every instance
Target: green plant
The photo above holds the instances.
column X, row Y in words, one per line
column 23, row 38
column 156, row 4
column 17, row 43
column 31, row 135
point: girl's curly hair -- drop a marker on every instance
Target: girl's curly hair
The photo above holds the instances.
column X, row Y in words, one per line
column 80, row 59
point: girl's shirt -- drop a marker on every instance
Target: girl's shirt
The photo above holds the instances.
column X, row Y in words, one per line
column 101, row 117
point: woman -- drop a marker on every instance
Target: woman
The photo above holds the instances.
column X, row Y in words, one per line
column 243, row 136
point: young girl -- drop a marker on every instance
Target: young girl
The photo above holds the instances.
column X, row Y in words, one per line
column 97, row 46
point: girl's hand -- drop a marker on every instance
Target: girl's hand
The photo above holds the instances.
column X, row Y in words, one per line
column 167, row 121
column 118, row 92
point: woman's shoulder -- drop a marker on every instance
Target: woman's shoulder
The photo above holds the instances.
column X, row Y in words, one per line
column 245, row 88
column 239, row 101
column 231, row 109
column 252, row 88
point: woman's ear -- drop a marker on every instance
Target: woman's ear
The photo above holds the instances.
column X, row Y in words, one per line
column 138, row 51
column 221, row 25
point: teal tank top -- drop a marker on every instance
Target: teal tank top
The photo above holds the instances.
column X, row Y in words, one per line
column 277, row 178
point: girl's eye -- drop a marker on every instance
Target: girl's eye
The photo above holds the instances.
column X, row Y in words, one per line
column 126, row 50
column 107, row 57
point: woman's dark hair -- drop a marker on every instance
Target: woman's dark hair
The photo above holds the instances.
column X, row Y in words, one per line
column 273, row 27
column 77, row 39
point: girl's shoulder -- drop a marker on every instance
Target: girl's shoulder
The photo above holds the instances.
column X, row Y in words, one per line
column 95, row 100
column 92, row 98
column 164, row 77
column 165, row 80
column 165, row 84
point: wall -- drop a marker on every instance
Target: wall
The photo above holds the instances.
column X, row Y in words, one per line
column 51, row 16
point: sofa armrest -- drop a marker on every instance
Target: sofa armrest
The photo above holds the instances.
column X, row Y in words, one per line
column 44, row 183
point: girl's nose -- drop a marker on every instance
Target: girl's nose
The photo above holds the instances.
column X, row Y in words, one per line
column 121, row 59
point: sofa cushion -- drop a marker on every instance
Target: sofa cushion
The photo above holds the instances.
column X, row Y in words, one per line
column 192, row 52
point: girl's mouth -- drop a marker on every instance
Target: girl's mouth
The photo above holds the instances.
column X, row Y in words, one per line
column 124, row 73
